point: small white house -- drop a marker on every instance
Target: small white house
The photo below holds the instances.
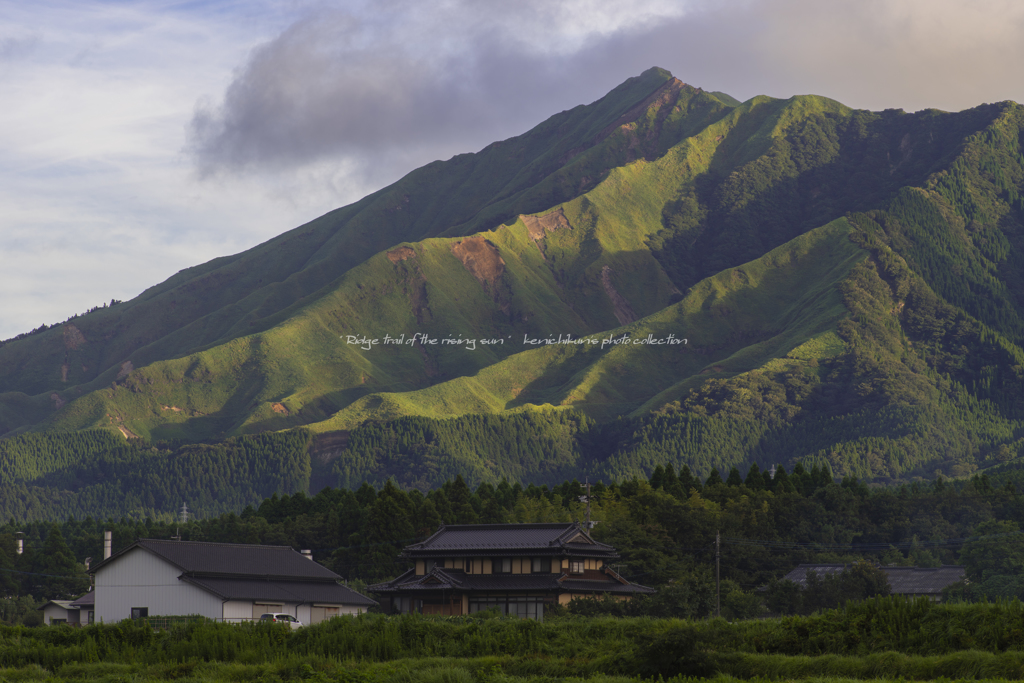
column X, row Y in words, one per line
column 222, row 581
column 73, row 612
column 56, row 612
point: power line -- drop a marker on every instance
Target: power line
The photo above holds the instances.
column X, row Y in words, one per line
column 880, row 545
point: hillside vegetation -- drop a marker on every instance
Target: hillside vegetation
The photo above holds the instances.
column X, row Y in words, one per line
column 719, row 283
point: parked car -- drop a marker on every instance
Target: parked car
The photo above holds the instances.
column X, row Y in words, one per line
column 281, row 618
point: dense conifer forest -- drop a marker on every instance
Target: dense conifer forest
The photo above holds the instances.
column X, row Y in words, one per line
column 664, row 528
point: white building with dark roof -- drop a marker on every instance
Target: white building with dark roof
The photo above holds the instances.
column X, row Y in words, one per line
column 222, row 581
column 514, row 568
column 76, row 612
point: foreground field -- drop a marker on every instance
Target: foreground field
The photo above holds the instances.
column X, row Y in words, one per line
column 874, row 640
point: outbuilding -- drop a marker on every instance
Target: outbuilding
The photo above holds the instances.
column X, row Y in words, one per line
column 77, row 612
column 913, row 582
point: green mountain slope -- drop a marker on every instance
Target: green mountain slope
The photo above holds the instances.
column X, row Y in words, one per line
column 237, row 295
column 848, row 285
column 733, row 322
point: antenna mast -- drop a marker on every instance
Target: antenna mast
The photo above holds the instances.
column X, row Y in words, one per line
column 182, row 519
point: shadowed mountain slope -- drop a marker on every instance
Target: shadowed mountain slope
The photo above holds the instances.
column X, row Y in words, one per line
column 832, row 285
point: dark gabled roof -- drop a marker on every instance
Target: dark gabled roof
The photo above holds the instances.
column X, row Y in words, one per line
column 281, row 591
column 87, row 600
column 923, row 580
column 902, row 580
column 234, row 571
column 456, row 579
column 509, row 539
column 231, row 560
column 435, row 579
column 579, row 585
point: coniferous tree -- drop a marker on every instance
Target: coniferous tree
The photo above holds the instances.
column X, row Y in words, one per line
column 734, row 478
column 714, row 479
column 59, row 576
column 754, row 480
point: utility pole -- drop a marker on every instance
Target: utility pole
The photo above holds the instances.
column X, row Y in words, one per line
column 589, row 527
column 718, row 573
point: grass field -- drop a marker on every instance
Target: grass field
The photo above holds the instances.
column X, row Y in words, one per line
column 858, row 643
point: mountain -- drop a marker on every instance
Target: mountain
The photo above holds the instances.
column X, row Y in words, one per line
column 719, row 283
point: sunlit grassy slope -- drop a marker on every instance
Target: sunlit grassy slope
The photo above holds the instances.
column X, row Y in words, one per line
column 235, row 296
column 733, row 322
column 590, row 266
column 832, row 272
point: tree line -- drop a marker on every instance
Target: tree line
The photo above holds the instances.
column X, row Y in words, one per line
column 664, row 529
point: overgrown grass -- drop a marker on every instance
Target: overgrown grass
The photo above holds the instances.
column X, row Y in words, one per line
column 889, row 638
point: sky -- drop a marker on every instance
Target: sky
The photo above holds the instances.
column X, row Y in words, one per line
column 141, row 137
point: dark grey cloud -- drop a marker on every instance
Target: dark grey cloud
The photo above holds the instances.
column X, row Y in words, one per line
column 337, row 84
column 403, row 82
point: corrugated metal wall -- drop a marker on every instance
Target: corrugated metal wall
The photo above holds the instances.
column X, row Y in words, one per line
column 140, row 579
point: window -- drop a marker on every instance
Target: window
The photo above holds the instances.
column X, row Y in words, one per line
column 524, row 607
column 575, row 566
column 502, row 565
column 140, row 612
column 542, row 565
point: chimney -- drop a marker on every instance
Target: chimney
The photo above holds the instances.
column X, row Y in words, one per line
column 308, row 554
column 108, row 544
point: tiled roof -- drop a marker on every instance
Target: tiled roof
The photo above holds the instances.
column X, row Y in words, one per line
column 902, row 580
column 510, row 539
column 456, row 579
column 232, row 560
column 578, row 585
column 923, row 580
column 87, row 600
column 281, row 591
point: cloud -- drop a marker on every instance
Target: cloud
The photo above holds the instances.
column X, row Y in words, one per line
column 404, row 82
column 98, row 202
column 408, row 81
column 311, row 104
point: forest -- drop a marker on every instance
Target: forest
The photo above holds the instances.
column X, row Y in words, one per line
column 664, row 529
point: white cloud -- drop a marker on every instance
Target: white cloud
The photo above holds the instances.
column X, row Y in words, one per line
column 98, row 201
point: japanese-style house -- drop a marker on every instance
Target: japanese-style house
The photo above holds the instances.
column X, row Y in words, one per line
column 514, row 568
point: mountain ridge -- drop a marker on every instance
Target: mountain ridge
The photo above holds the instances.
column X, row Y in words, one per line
column 847, row 283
